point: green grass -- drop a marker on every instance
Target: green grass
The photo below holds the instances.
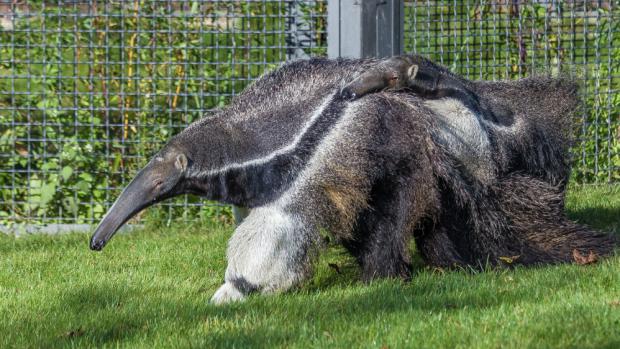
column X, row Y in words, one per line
column 151, row 288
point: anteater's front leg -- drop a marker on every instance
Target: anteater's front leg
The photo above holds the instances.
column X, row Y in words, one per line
column 269, row 252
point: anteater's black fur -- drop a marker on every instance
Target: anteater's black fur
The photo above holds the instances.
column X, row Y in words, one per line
column 465, row 221
column 376, row 172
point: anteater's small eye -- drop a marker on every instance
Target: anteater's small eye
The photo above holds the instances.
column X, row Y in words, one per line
column 158, row 183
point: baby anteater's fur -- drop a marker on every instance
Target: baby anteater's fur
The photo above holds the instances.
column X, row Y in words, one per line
column 375, row 171
column 426, row 79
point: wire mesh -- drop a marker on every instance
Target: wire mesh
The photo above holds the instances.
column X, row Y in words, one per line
column 508, row 39
column 90, row 89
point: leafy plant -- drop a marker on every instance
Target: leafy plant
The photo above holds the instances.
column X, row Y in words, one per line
column 508, row 40
column 90, row 93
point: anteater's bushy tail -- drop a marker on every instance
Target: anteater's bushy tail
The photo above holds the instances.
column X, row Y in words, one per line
column 518, row 216
column 535, row 213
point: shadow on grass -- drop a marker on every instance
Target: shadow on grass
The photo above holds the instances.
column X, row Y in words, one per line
column 104, row 314
column 111, row 313
column 602, row 218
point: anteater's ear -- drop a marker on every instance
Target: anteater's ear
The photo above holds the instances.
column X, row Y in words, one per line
column 181, row 162
column 412, row 71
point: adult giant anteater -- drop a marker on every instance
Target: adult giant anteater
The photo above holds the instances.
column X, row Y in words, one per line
column 374, row 171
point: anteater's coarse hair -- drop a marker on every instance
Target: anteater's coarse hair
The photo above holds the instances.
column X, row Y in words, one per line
column 375, row 172
column 478, row 201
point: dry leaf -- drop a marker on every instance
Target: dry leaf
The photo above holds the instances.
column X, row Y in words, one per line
column 22, row 150
column 584, row 260
column 438, row 270
column 509, row 260
column 615, row 303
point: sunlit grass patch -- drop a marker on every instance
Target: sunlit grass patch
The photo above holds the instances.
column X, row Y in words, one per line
column 150, row 288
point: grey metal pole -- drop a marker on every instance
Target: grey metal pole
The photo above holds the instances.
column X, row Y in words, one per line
column 364, row 28
column 239, row 213
column 299, row 32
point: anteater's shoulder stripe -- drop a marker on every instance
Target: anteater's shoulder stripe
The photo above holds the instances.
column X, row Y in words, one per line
column 263, row 179
column 271, row 156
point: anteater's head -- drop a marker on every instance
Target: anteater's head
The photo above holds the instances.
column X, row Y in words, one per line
column 162, row 178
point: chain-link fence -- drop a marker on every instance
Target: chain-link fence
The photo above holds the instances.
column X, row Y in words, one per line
column 90, row 89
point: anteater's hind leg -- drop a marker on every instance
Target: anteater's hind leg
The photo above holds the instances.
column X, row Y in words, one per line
column 522, row 220
column 437, row 248
column 269, row 252
column 382, row 232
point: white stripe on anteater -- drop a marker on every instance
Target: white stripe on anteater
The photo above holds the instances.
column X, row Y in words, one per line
column 284, row 150
column 318, row 160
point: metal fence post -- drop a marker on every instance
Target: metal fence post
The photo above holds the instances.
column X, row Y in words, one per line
column 298, row 32
column 364, row 28
column 239, row 213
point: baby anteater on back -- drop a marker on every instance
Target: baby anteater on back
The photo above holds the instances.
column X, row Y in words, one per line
column 426, row 79
column 476, row 114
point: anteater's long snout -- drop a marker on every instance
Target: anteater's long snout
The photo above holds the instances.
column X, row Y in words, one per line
column 157, row 181
column 131, row 201
column 148, row 187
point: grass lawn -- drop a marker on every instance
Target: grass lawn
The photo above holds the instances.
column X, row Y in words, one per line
column 151, row 288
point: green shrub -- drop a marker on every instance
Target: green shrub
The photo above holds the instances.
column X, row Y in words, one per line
column 88, row 94
column 98, row 92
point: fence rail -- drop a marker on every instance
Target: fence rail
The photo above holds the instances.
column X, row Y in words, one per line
column 90, row 89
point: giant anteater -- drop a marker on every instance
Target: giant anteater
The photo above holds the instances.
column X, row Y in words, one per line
column 375, row 171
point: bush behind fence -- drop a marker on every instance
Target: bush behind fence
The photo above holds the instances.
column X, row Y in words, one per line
column 88, row 91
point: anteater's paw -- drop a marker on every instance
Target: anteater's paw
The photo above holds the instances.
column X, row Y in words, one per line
column 227, row 293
